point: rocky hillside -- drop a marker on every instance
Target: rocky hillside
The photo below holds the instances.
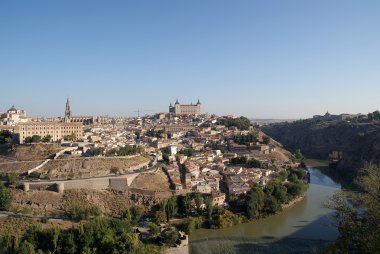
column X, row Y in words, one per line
column 358, row 142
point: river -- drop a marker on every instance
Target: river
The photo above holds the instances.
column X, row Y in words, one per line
column 305, row 227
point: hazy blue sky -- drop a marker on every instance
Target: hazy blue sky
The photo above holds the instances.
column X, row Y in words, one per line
column 275, row 59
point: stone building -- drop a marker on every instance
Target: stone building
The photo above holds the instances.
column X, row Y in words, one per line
column 57, row 130
column 185, row 109
column 13, row 116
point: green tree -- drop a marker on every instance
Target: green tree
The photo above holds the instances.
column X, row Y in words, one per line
column 209, row 207
column 171, row 236
column 46, row 139
column 136, row 213
column 298, row 155
column 160, row 216
column 198, row 200
column 5, row 197
column 154, row 229
column 171, row 208
column 254, row 202
column 295, row 189
column 189, row 225
column 12, row 179
column 5, row 137
column 271, row 205
column 359, row 228
column 266, row 139
column 26, row 248
column 28, row 140
column 36, row 139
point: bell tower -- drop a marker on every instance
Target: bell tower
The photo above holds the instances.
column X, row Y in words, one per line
column 67, row 118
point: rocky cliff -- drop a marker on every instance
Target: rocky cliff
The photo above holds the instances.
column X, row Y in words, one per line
column 358, row 142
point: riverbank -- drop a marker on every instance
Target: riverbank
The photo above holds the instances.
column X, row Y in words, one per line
column 304, row 226
column 180, row 250
column 293, row 202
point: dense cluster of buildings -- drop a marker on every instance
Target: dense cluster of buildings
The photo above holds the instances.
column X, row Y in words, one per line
column 197, row 149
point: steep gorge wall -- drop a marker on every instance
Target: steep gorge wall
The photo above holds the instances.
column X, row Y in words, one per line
column 359, row 142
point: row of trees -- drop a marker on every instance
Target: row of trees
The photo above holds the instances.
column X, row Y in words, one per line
column 243, row 139
column 125, row 151
column 242, row 123
column 251, row 163
column 38, row 139
column 100, row 235
column 188, row 151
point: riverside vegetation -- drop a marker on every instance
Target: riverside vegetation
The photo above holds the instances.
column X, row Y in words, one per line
column 100, row 234
column 358, row 215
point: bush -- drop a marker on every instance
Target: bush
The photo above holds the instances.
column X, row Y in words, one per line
column 79, row 212
column 171, row 236
column 114, row 170
column 5, row 197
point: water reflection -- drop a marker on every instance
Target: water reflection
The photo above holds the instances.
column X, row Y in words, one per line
column 303, row 227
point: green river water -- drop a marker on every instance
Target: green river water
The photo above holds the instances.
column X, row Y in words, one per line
column 305, row 227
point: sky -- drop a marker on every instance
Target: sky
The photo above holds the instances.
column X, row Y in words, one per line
column 261, row 59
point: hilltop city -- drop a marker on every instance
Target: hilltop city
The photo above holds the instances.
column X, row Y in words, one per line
column 168, row 165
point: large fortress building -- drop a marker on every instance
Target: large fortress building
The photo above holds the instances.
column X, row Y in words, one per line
column 185, row 109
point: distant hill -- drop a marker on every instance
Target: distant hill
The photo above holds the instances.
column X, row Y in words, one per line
column 359, row 142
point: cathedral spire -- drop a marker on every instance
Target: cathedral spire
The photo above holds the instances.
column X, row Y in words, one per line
column 67, row 111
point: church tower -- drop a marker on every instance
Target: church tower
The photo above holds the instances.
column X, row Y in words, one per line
column 67, row 112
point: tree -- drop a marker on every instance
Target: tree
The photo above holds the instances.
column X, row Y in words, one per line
column 279, row 192
column 171, row 208
column 253, row 163
column 171, row 236
column 5, row 197
column 376, row 114
column 298, row 155
column 36, row 139
column 359, row 228
column 5, row 137
column 183, row 204
column 209, row 207
column 271, row 205
column 198, row 200
column 68, row 243
column 46, row 139
column 136, row 213
column 295, row 189
column 266, row 139
column 12, row 179
column 28, row 140
column 160, row 217
column 154, row 229
column 189, row 225
column 26, row 248
column 254, row 202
